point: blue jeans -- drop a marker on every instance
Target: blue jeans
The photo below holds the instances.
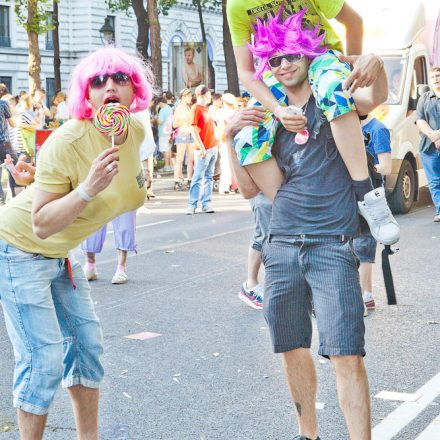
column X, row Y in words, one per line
column 204, row 169
column 53, row 328
column 431, row 164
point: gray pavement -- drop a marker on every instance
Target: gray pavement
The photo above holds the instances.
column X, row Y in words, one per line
column 210, row 375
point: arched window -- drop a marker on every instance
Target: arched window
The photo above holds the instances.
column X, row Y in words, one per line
column 176, row 38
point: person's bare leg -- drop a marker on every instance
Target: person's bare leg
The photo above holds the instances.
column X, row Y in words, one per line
column 190, row 164
column 85, row 408
column 167, row 158
column 267, row 176
column 254, row 264
column 354, row 395
column 301, row 379
column 91, row 257
column 180, row 155
column 31, row 426
column 366, row 275
column 349, row 140
column 122, row 258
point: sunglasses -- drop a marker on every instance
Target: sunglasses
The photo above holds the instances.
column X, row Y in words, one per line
column 290, row 58
column 120, row 78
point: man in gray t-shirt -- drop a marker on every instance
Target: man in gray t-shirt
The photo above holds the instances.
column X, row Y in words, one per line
column 309, row 255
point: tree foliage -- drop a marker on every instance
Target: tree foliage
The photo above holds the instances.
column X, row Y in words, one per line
column 126, row 6
column 39, row 22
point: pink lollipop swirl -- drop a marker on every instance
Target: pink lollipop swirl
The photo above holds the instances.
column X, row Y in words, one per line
column 112, row 119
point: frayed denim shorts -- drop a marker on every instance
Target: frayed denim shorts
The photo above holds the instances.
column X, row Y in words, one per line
column 53, row 328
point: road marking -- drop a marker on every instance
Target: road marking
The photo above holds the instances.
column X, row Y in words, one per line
column 180, row 244
column 408, row 411
column 432, row 431
column 147, row 225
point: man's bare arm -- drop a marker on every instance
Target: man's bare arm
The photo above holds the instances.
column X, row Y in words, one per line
column 249, row 116
column 354, row 29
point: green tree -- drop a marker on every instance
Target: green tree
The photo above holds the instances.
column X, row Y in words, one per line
column 147, row 18
column 33, row 16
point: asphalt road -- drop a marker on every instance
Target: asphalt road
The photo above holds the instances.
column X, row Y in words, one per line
column 210, row 375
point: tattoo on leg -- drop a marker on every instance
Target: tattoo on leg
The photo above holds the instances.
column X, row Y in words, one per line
column 298, row 408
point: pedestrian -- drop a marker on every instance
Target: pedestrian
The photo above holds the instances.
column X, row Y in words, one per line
column 60, row 100
column 205, row 154
column 182, row 121
column 124, row 231
column 251, row 291
column 308, row 255
column 164, row 124
column 29, row 122
column 328, row 76
column 81, row 183
column 428, row 122
column 378, row 144
column 6, row 121
column 224, row 116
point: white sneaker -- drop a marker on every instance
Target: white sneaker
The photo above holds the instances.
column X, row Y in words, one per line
column 120, row 277
column 375, row 210
column 91, row 273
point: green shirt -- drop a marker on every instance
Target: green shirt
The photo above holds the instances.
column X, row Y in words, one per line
column 243, row 14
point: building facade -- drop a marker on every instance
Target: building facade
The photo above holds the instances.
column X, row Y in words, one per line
column 80, row 22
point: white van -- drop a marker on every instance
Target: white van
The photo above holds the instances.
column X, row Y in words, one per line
column 407, row 66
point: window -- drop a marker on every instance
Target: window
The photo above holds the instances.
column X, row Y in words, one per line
column 7, row 81
column 5, row 40
column 49, row 34
column 50, row 91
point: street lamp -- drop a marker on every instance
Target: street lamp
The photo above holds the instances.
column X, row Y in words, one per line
column 107, row 32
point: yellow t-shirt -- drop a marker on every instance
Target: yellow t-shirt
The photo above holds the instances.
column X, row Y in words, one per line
column 63, row 163
column 243, row 14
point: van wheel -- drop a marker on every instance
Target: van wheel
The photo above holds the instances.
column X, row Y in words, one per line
column 401, row 199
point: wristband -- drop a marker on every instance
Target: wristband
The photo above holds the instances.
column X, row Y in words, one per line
column 83, row 193
column 277, row 110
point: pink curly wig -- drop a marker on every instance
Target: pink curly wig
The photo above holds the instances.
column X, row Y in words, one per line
column 103, row 61
column 288, row 36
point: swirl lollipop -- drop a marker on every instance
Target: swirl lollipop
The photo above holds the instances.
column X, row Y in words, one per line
column 112, row 119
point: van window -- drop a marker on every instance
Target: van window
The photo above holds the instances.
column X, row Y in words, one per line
column 418, row 77
column 395, row 67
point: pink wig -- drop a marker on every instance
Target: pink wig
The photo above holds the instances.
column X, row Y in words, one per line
column 287, row 37
column 103, row 61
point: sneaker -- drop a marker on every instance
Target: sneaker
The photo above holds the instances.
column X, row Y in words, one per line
column 90, row 272
column 375, row 210
column 301, row 437
column 207, row 209
column 250, row 297
column 190, row 211
column 120, row 277
column 436, row 218
column 369, row 301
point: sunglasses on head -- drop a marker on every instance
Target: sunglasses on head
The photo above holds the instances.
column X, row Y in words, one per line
column 120, row 78
column 290, row 58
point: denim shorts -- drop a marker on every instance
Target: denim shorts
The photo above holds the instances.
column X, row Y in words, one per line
column 262, row 210
column 54, row 331
column 364, row 247
column 323, row 268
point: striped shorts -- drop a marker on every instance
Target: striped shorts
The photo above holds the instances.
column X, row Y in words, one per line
column 302, row 268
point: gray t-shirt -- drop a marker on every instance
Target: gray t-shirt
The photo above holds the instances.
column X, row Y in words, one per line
column 428, row 109
column 317, row 196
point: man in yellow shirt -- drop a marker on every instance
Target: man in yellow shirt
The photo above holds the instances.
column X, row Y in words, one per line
column 81, row 183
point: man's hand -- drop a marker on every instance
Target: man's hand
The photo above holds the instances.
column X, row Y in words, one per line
column 437, row 144
column 291, row 122
column 366, row 69
column 434, row 136
column 243, row 118
column 202, row 151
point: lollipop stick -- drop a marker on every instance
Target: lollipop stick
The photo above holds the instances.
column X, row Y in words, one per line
column 113, row 141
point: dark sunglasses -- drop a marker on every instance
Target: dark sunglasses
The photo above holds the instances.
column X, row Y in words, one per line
column 99, row 81
column 290, row 58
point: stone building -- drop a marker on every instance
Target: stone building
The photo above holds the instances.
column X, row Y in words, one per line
column 80, row 23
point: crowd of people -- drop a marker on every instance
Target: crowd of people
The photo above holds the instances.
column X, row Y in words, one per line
column 298, row 151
